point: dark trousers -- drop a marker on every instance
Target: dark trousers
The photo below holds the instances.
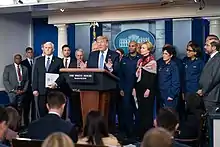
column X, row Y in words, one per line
column 27, row 101
column 42, row 109
column 75, row 113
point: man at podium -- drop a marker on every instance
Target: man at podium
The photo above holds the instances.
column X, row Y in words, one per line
column 104, row 58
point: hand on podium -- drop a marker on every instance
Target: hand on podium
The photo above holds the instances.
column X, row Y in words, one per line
column 109, row 65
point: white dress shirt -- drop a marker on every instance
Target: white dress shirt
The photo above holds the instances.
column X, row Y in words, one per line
column 16, row 69
column 68, row 61
column 100, row 54
column 213, row 54
column 30, row 60
column 52, row 112
column 46, row 58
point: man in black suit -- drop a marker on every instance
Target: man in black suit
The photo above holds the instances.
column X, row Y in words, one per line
column 74, row 96
column 43, row 65
column 52, row 122
column 104, row 58
column 107, row 59
column 29, row 98
column 209, row 82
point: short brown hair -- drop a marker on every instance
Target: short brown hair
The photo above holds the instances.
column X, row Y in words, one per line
column 215, row 43
column 55, row 99
column 157, row 137
column 14, row 118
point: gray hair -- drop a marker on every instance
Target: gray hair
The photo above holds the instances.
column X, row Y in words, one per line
column 79, row 50
column 50, row 43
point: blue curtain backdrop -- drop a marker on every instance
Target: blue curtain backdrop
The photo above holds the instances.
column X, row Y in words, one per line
column 169, row 31
column 200, row 30
column 44, row 32
column 71, row 38
column 98, row 33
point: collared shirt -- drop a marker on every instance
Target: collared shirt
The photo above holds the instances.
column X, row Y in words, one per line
column 213, row 54
column 30, row 60
column 68, row 61
column 16, row 69
column 52, row 112
column 104, row 54
column 46, row 58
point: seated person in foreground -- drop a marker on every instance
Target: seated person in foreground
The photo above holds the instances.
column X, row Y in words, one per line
column 52, row 122
column 168, row 120
column 190, row 126
column 157, row 137
column 96, row 132
column 58, row 140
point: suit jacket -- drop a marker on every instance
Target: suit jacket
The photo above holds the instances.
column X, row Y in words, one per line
column 94, row 60
column 48, row 124
column 10, row 80
column 210, row 79
column 39, row 72
column 29, row 67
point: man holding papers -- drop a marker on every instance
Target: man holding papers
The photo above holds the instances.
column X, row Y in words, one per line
column 45, row 72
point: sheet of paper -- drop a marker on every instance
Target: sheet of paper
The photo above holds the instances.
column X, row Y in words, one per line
column 50, row 78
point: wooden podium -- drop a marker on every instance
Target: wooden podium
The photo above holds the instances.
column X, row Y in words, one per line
column 95, row 86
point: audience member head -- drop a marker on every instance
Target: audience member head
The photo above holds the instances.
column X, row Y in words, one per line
column 95, row 128
column 189, row 43
column 95, row 46
column 120, row 52
column 29, row 52
column 58, row 140
column 211, row 37
column 146, row 48
column 79, row 54
column 102, row 42
column 17, row 59
column 167, row 119
column 56, row 101
column 14, row 118
column 132, row 47
column 66, row 51
column 211, row 46
column 157, row 137
column 48, row 48
column 138, row 50
column 193, row 50
column 3, row 122
column 168, row 53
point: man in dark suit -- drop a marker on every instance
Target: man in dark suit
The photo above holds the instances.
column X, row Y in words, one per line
column 52, row 122
column 15, row 80
column 43, row 65
column 209, row 83
column 104, row 58
column 107, row 59
column 73, row 95
column 29, row 98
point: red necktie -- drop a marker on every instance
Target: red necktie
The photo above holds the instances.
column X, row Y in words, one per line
column 19, row 73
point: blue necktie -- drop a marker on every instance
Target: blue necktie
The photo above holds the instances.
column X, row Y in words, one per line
column 101, row 61
column 48, row 63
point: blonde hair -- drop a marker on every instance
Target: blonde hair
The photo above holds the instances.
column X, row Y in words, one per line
column 149, row 45
column 102, row 38
column 153, row 135
column 58, row 140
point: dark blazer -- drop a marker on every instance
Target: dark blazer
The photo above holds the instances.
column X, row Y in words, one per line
column 10, row 80
column 210, row 79
column 94, row 60
column 48, row 124
column 29, row 67
column 39, row 72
